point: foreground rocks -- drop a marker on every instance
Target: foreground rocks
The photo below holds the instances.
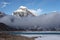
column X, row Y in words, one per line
column 4, row 36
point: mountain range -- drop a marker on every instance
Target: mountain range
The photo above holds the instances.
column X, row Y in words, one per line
column 19, row 20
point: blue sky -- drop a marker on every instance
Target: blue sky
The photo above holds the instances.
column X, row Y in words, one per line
column 45, row 6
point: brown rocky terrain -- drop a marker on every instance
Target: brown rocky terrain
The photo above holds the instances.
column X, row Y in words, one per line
column 4, row 36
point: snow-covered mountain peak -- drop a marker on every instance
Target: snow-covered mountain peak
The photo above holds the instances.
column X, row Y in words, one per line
column 23, row 7
column 23, row 11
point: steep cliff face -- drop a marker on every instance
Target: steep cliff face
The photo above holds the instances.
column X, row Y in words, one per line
column 22, row 12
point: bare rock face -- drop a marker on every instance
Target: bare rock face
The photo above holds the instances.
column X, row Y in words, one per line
column 22, row 12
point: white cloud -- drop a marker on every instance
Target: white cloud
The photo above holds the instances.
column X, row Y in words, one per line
column 37, row 11
column 54, row 11
column 4, row 4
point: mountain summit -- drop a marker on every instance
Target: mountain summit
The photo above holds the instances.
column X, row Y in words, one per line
column 23, row 11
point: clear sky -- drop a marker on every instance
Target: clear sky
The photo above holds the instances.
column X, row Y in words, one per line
column 45, row 6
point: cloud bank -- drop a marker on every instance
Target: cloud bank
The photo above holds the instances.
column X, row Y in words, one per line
column 45, row 22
